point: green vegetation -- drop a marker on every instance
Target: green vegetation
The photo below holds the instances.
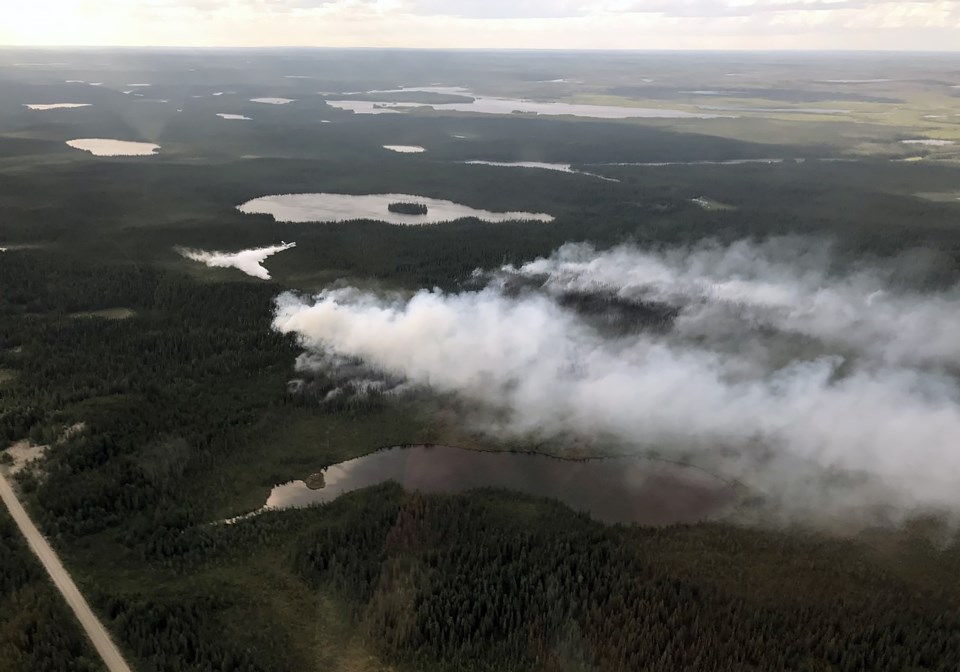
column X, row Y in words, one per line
column 189, row 417
column 471, row 583
column 38, row 633
column 408, row 208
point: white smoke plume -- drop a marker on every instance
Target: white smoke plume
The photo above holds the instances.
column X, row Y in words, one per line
column 785, row 284
column 867, row 418
column 248, row 261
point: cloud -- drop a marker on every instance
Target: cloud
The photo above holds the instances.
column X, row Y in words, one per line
column 720, row 8
column 558, row 24
column 691, row 9
column 854, row 419
column 505, row 9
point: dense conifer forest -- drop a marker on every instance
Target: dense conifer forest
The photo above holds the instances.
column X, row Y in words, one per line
column 168, row 403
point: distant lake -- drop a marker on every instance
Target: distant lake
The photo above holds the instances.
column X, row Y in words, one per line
column 104, row 147
column 405, row 149
column 612, row 490
column 540, row 165
column 55, row 106
column 272, row 101
column 490, row 105
column 346, row 208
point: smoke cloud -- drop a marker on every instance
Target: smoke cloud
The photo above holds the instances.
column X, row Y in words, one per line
column 785, row 284
column 831, row 390
column 248, row 261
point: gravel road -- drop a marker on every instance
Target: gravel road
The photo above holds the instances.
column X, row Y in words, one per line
column 91, row 625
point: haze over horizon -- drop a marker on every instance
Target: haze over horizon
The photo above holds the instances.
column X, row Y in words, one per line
column 917, row 25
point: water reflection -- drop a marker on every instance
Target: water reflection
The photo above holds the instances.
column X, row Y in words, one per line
column 613, row 490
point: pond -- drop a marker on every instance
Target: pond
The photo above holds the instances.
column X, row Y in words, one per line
column 345, row 208
column 612, row 490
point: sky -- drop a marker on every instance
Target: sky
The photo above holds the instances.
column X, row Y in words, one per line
column 932, row 25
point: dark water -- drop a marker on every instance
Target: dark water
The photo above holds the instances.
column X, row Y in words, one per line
column 614, row 490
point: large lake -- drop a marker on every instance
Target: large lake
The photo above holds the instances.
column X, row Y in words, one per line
column 490, row 105
column 347, row 208
column 613, row 490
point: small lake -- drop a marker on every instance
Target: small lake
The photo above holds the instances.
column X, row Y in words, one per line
column 661, row 164
column 272, row 101
column 299, row 208
column 777, row 110
column 539, row 165
column 612, row 490
column 491, row 105
column 559, row 167
column 929, row 142
column 405, row 149
column 105, row 147
column 56, row 106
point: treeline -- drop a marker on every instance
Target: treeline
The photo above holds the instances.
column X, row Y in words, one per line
column 166, row 396
column 36, row 282
column 464, row 583
column 174, row 634
column 38, row 633
column 405, row 208
column 163, row 394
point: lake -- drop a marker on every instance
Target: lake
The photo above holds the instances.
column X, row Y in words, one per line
column 272, row 101
column 929, row 142
column 405, row 149
column 491, row 105
column 612, row 490
column 55, row 106
column 539, row 165
column 105, row 147
column 345, row 208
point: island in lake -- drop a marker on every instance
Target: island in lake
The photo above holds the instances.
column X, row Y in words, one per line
column 408, row 208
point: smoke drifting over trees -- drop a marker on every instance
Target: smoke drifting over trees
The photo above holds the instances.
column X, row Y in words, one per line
column 828, row 389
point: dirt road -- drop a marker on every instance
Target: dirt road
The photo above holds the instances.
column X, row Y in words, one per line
column 95, row 631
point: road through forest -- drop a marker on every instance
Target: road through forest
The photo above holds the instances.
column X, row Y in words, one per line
column 91, row 625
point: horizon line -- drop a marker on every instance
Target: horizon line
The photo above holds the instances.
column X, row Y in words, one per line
column 601, row 50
